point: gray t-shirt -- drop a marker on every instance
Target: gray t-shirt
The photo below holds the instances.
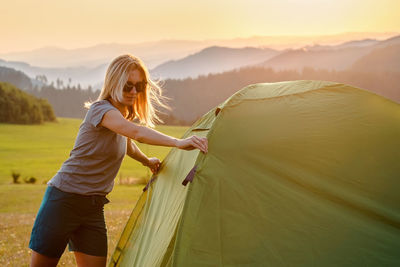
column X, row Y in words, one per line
column 96, row 157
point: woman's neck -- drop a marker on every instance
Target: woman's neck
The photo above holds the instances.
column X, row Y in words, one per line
column 122, row 108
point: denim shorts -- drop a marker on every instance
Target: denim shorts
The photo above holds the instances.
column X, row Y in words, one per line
column 73, row 219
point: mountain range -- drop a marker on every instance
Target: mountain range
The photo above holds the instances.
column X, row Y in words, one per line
column 183, row 59
column 213, row 59
column 340, row 57
column 157, row 52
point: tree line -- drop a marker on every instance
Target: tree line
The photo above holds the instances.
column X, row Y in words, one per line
column 191, row 98
column 16, row 106
column 67, row 102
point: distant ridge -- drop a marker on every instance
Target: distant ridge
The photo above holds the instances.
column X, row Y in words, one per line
column 205, row 60
column 213, row 59
column 79, row 75
column 381, row 59
column 355, row 43
column 339, row 57
column 157, row 52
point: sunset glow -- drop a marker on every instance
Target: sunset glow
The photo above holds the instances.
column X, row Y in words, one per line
column 30, row 24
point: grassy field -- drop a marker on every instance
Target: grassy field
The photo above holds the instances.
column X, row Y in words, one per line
column 39, row 151
column 19, row 204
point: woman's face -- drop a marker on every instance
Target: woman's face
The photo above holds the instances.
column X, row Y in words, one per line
column 129, row 97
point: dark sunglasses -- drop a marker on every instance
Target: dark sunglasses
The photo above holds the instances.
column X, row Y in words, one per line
column 139, row 86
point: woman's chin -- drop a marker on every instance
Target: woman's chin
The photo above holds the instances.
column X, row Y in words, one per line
column 129, row 101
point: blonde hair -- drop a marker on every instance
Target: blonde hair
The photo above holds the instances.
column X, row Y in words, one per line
column 116, row 77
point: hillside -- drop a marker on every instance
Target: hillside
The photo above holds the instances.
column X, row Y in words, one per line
column 16, row 106
column 154, row 53
column 385, row 59
column 355, row 43
column 366, row 63
column 84, row 76
column 191, row 98
column 179, row 59
column 390, row 41
column 15, row 77
column 332, row 59
column 339, row 57
column 212, row 60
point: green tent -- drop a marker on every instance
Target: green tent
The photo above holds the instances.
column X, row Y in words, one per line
column 299, row 173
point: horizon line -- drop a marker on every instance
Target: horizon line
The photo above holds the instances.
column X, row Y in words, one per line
column 394, row 33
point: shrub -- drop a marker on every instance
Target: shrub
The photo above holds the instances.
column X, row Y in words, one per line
column 30, row 180
column 16, row 106
column 15, row 175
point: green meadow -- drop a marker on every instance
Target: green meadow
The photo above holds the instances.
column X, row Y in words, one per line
column 38, row 151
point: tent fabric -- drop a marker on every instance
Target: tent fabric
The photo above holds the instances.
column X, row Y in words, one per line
column 299, row 173
column 152, row 223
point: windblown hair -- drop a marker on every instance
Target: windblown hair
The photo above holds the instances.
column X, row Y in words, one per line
column 144, row 106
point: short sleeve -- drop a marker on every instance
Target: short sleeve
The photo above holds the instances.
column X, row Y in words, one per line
column 97, row 111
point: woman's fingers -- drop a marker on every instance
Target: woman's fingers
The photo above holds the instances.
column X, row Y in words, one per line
column 154, row 165
column 200, row 143
column 155, row 169
column 193, row 142
column 203, row 142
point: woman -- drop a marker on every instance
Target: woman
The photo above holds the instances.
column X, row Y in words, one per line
column 72, row 207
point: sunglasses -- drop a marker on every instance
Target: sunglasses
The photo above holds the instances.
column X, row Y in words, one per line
column 139, row 86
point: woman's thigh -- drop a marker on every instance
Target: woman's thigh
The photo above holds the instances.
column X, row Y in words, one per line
column 83, row 259
column 39, row 260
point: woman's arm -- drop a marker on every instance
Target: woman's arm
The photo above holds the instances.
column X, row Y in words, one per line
column 133, row 151
column 114, row 121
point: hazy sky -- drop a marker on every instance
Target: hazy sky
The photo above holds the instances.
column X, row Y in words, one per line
column 29, row 24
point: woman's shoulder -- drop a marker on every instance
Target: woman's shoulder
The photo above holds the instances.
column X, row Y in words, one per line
column 97, row 110
column 101, row 104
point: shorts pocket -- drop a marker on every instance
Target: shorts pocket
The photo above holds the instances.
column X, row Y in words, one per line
column 56, row 195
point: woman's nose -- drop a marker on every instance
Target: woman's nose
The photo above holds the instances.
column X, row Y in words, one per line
column 133, row 90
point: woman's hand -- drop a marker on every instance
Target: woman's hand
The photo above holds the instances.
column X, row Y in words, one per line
column 193, row 142
column 153, row 164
